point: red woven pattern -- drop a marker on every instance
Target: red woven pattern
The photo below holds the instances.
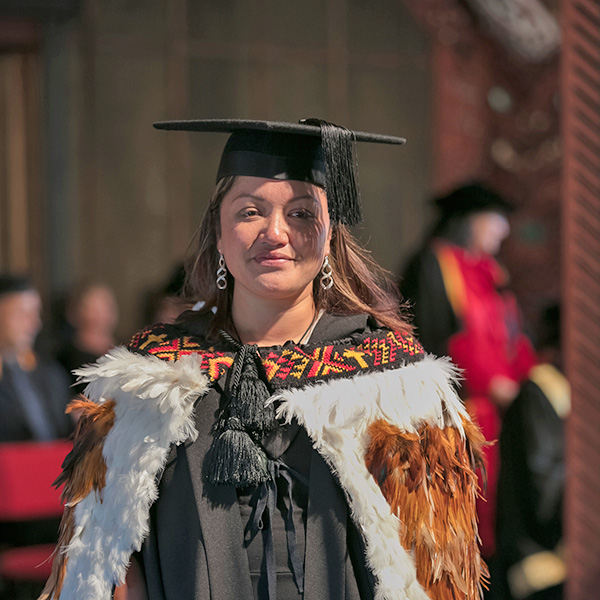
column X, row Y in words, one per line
column 290, row 364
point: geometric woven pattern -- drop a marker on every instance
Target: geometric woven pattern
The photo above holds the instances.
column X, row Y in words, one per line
column 291, row 364
column 580, row 99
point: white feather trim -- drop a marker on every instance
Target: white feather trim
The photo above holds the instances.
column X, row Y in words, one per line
column 154, row 406
column 336, row 415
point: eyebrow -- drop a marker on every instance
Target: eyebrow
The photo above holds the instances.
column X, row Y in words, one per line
column 261, row 199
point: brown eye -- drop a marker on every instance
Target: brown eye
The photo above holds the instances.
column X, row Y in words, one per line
column 302, row 213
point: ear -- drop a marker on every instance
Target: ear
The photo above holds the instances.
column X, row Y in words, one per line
column 328, row 242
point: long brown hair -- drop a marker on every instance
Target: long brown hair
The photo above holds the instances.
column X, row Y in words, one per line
column 360, row 285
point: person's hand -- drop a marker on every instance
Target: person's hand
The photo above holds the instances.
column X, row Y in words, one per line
column 503, row 390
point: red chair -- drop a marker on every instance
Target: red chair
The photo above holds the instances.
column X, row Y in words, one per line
column 27, row 470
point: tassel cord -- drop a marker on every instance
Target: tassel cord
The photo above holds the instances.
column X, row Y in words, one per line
column 243, row 351
column 264, row 499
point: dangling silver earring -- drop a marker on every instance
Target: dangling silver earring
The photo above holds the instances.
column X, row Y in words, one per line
column 221, row 273
column 326, row 274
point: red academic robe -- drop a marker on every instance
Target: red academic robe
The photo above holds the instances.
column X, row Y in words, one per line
column 489, row 343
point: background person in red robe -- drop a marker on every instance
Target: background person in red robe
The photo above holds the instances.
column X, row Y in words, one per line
column 462, row 308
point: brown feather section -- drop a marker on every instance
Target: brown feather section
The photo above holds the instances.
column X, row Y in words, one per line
column 430, row 483
column 83, row 467
column 59, row 564
column 84, row 470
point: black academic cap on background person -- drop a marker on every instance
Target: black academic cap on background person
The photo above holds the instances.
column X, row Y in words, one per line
column 470, row 198
column 11, row 282
column 314, row 151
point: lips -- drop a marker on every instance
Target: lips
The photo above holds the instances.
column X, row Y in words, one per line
column 272, row 259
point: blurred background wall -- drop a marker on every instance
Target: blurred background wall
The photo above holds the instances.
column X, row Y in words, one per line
column 121, row 200
column 91, row 190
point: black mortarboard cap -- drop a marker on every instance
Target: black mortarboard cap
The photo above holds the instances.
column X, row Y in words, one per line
column 470, row 198
column 10, row 283
column 312, row 150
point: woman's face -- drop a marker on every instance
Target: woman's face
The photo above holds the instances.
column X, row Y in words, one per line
column 274, row 236
column 488, row 229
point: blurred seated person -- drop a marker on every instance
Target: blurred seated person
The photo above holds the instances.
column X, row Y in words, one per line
column 34, row 390
column 92, row 314
column 532, row 476
column 462, row 309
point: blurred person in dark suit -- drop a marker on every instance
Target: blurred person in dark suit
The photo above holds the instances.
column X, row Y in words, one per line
column 34, row 392
column 33, row 389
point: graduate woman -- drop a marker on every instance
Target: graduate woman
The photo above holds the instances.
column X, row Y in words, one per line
column 290, row 439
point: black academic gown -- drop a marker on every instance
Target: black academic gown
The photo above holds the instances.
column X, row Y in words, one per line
column 195, row 549
column 422, row 286
column 531, row 483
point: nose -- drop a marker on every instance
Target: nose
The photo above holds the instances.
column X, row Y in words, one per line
column 276, row 229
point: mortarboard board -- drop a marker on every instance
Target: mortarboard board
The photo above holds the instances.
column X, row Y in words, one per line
column 312, row 150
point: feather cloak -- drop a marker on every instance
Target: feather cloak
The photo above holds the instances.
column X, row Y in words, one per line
column 398, row 441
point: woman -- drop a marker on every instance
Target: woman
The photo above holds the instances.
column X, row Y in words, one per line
column 289, row 440
column 462, row 309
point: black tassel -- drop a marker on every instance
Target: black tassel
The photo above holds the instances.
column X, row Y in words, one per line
column 235, row 459
column 341, row 186
column 236, row 456
column 249, row 403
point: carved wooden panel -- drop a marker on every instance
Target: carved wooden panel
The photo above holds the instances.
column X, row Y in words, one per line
column 581, row 134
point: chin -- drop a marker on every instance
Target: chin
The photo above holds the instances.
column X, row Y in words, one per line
column 277, row 293
column 279, row 288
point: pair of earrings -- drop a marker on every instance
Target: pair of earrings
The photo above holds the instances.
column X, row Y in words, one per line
column 326, row 274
